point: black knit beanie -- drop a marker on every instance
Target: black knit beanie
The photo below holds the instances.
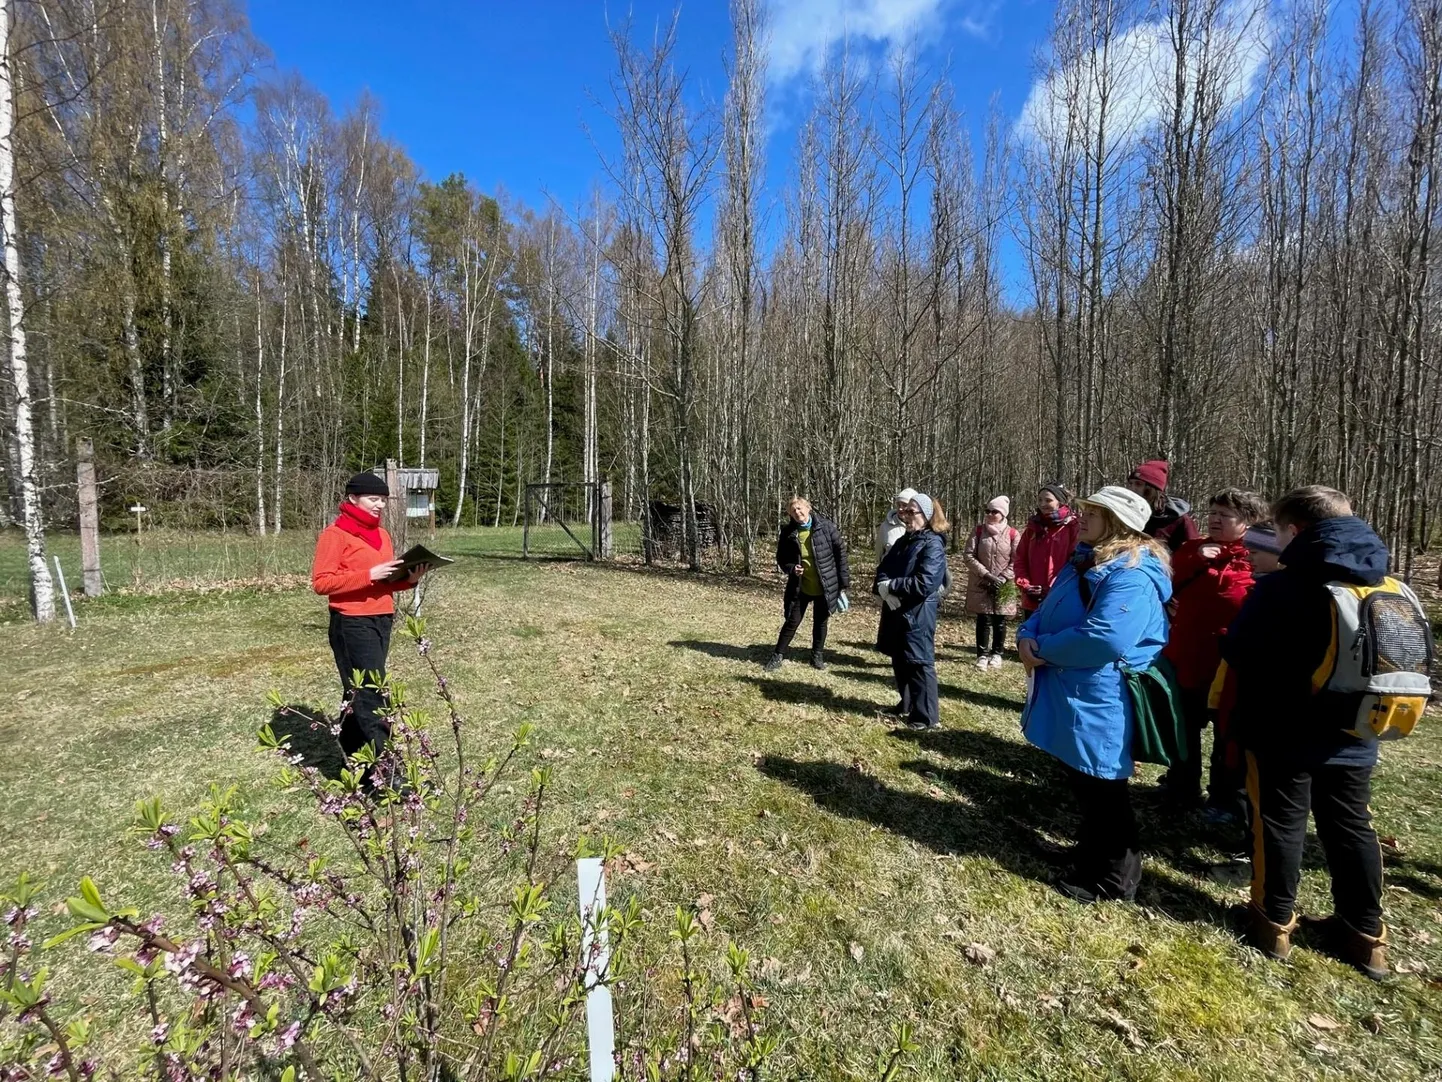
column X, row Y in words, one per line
column 1057, row 489
column 366, row 484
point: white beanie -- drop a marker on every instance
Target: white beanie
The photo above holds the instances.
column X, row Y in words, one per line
column 1131, row 510
column 1002, row 504
column 906, row 495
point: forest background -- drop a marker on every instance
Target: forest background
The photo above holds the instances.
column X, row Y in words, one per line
column 1223, row 213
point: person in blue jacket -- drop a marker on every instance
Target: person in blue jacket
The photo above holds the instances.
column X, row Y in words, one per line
column 1106, row 611
column 910, row 582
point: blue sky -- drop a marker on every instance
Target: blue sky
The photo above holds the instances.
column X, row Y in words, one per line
column 505, row 91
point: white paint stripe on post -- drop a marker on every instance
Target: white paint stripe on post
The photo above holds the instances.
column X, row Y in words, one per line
column 600, row 1028
column 65, row 593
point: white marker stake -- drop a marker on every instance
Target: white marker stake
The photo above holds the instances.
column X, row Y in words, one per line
column 600, row 1029
column 59, row 574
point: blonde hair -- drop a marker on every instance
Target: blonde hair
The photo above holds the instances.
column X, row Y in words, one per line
column 1120, row 542
column 802, row 500
column 938, row 523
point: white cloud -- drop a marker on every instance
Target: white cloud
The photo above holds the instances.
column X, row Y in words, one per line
column 805, row 33
column 1140, row 69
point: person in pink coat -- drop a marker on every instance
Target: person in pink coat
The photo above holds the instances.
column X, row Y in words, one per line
column 1046, row 544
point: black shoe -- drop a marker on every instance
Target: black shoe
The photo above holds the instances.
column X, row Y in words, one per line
column 818, row 661
column 773, row 663
column 897, row 711
column 923, row 727
column 1078, row 892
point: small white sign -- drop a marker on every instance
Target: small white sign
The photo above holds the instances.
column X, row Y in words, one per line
column 138, row 510
column 600, row 1028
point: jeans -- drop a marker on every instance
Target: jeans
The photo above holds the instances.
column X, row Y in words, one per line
column 990, row 634
column 1107, row 857
column 916, row 680
column 361, row 642
column 1282, row 791
column 795, row 603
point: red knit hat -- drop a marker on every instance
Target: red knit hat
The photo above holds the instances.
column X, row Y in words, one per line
column 1153, row 473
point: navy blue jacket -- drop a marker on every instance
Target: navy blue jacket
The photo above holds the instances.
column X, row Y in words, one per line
column 1281, row 636
column 916, row 567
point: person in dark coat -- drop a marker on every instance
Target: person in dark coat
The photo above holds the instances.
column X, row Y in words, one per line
column 909, row 583
column 813, row 557
column 1300, row 753
column 1171, row 522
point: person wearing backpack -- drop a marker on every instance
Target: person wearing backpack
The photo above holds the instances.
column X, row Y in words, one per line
column 1211, row 577
column 1105, row 617
column 811, row 553
column 989, row 555
column 1308, row 713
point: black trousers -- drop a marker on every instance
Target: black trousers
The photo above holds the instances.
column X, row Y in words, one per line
column 1107, row 856
column 990, row 633
column 916, row 680
column 1282, row 792
column 795, row 603
column 361, row 643
column 1226, row 786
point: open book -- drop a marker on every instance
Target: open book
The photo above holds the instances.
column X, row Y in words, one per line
column 414, row 557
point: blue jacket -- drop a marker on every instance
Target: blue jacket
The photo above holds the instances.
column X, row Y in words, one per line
column 916, row 567
column 1280, row 637
column 1079, row 709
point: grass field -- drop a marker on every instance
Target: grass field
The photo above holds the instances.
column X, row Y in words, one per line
column 864, row 867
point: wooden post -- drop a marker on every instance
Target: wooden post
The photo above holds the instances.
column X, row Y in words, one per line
column 396, row 513
column 89, row 518
column 605, row 543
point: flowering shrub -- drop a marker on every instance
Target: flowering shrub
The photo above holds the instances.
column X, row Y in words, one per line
column 411, row 941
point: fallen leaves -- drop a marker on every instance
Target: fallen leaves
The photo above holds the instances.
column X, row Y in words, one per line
column 856, row 950
column 1125, row 1029
column 979, row 954
column 1323, row 1022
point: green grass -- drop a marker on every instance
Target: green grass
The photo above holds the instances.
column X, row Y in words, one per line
column 856, row 865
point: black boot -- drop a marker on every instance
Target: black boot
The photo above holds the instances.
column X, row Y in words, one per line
column 818, row 660
column 774, row 662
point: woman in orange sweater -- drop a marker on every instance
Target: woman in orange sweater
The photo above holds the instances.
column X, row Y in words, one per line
column 353, row 560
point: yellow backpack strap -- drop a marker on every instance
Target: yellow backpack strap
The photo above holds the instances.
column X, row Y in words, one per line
column 1219, row 683
column 1329, row 659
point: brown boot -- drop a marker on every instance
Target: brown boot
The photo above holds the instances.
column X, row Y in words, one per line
column 1366, row 953
column 1273, row 940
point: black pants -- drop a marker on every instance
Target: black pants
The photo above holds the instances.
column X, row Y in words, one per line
column 796, row 602
column 1225, row 785
column 990, row 633
column 1282, row 792
column 361, row 643
column 916, row 680
column 1107, row 857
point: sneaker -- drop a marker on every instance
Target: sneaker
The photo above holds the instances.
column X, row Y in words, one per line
column 773, row 663
column 897, row 711
column 923, row 727
column 997, row 661
column 983, row 662
column 818, row 661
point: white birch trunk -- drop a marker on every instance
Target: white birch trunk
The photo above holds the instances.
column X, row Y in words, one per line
column 425, row 375
column 275, row 502
column 42, row 593
column 259, row 415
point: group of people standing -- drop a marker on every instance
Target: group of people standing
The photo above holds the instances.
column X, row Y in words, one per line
column 1236, row 622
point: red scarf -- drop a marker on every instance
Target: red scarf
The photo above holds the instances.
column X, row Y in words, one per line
column 360, row 523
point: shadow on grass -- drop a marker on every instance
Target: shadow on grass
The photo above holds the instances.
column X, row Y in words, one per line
column 793, row 691
column 1001, row 810
column 309, row 732
column 987, row 699
column 730, row 651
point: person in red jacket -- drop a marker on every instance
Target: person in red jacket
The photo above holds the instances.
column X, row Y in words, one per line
column 1211, row 577
column 353, row 560
column 1046, row 544
column 1171, row 522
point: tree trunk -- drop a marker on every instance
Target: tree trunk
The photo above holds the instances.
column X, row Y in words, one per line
column 42, row 594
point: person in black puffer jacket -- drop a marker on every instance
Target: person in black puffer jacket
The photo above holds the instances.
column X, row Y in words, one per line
column 910, row 582
column 812, row 555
